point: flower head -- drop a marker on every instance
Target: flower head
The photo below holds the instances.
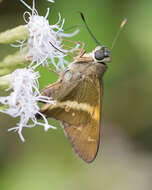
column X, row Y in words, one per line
column 22, row 101
column 45, row 41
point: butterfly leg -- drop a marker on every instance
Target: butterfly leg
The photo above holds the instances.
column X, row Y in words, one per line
column 55, row 72
column 81, row 50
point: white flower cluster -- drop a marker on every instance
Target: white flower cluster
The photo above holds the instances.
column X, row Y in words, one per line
column 45, row 42
column 23, row 100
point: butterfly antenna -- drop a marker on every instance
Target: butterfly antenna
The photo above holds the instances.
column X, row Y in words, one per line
column 91, row 34
column 117, row 34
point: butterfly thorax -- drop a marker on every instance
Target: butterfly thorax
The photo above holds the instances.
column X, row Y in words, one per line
column 79, row 70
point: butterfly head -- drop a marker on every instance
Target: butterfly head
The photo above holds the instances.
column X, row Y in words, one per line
column 102, row 55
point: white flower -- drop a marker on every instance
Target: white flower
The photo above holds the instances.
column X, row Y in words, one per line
column 45, row 41
column 22, row 101
column 51, row 1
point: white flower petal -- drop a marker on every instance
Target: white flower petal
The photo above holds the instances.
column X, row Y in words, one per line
column 51, row 1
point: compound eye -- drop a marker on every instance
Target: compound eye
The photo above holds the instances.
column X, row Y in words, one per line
column 99, row 54
column 107, row 53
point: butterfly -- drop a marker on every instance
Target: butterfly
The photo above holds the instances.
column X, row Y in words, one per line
column 78, row 94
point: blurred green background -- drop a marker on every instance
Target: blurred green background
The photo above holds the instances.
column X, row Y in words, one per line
column 46, row 160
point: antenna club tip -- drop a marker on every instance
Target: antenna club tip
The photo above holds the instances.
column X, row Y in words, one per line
column 123, row 23
column 120, row 29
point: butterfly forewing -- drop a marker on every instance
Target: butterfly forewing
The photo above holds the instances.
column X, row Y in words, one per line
column 79, row 113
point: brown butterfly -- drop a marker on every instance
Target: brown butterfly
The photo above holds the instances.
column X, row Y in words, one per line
column 78, row 94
